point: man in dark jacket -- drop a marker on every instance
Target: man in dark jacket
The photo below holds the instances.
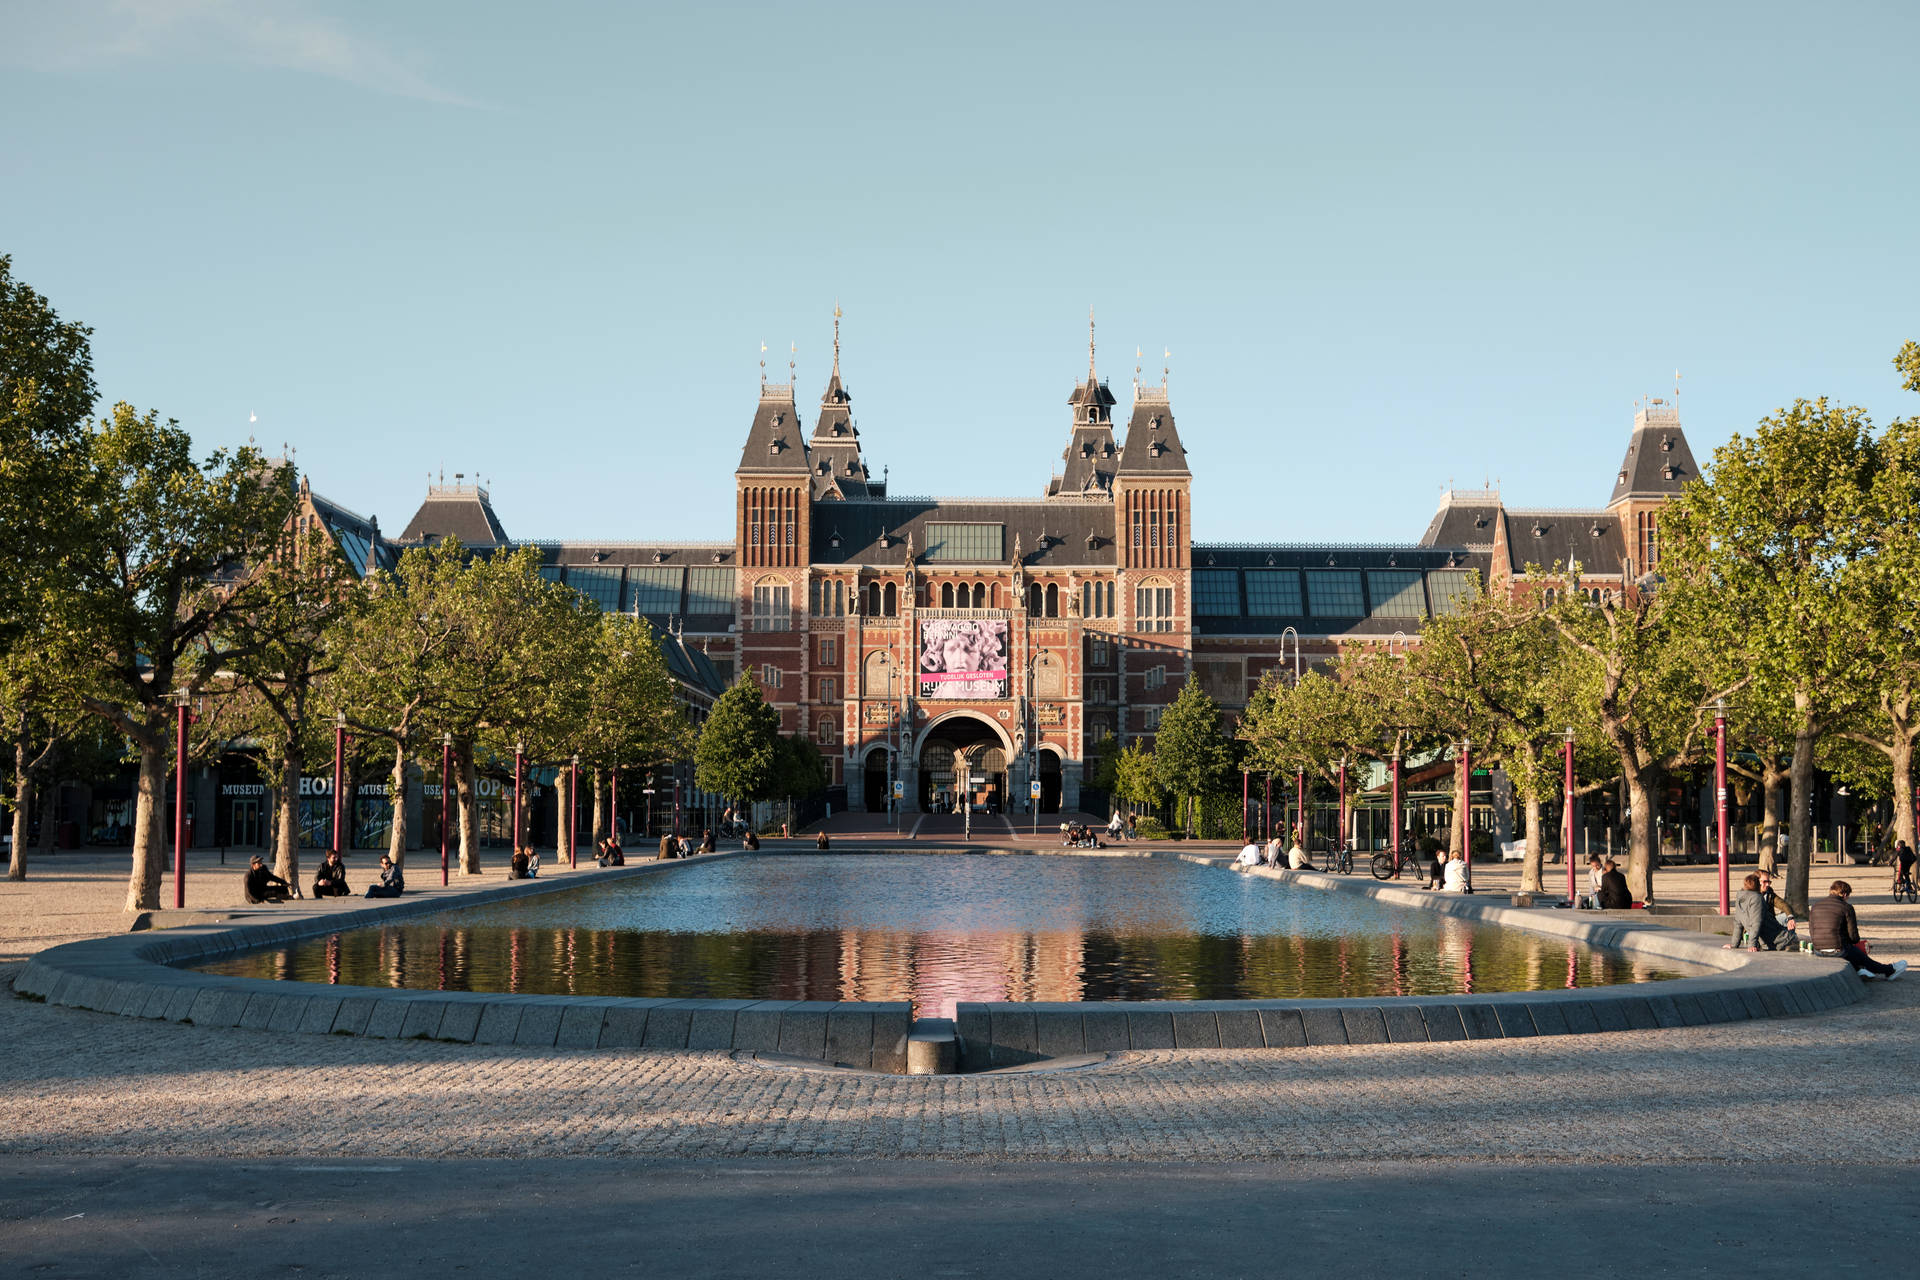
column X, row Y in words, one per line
column 1836, row 932
column 261, row 885
column 392, row 882
column 1614, row 894
column 330, row 881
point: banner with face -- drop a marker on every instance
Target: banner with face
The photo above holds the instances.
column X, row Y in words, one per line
column 962, row 658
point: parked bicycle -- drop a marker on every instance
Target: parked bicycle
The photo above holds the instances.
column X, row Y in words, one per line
column 1383, row 868
column 1341, row 860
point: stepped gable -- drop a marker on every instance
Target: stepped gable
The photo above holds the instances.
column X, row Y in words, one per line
column 1091, row 455
column 463, row 511
column 1153, row 446
column 1658, row 462
column 1591, row 539
column 775, row 442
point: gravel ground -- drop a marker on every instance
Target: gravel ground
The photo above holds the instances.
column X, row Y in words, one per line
column 75, row 1083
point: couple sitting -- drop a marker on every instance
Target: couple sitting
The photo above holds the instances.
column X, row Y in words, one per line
column 609, row 853
column 526, row 864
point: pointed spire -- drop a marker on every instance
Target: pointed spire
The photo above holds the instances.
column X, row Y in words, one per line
column 836, row 339
column 1092, row 375
column 763, row 364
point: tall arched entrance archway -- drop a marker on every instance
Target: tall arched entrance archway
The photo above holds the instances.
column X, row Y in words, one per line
column 874, row 785
column 1049, row 763
column 961, row 756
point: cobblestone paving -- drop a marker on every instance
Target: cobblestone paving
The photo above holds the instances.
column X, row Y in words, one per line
column 78, row 1083
column 74, row 1083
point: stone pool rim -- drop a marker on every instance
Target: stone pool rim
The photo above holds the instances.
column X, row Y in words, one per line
column 138, row 975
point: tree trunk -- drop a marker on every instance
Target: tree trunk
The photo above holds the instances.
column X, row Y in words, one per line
column 465, row 784
column 562, row 829
column 1642, row 784
column 1902, row 758
column 600, row 807
column 397, row 792
column 286, row 861
column 1530, row 867
column 149, row 821
column 1771, row 777
column 22, row 797
column 1800, row 797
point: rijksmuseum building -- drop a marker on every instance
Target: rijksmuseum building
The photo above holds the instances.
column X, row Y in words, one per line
column 936, row 645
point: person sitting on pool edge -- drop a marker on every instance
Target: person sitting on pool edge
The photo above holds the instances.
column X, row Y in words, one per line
column 261, row 885
column 1297, row 858
column 330, row 881
column 1614, row 894
column 392, row 882
column 669, row 848
column 1836, row 932
column 821, row 842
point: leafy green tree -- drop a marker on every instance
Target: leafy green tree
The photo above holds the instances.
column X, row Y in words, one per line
column 280, row 657
column 1190, row 751
column 630, row 716
column 1136, row 780
column 46, row 398
column 737, row 755
column 151, row 583
column 41, row 714
column 799, row 772
column 1774, row 540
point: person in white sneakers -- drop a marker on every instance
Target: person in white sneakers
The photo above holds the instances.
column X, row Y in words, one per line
column 1836, row 932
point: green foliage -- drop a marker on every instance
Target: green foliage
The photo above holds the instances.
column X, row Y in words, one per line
column 799, row 771
column 1190, row 753
column 1136, row 779
column 1150, row 828
column 737, row 755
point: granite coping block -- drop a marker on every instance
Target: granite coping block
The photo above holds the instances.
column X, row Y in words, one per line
column 1283, row 1028
column 1059, row 1035
column 803, row 1029
column 539, row 1024
column 624, row 1027
column 1774, row 1001
column 850, row 1037
column 711, row 1028
column 353, row 1015
column 1196, row 1029
column 580, row 1026
column 891, row 1026
column 1012, row 1031
column 422, row 1020
column 1324, row 1026
column 1365, row 1026
column 387, row 1018
column 1149, row 1030
column 1240, row 1029
column 259, row 1012
column 159, row 997
column 1403, row 1023
column 1549, row 1017
column 667, row 1027
column 460, row 1022
column 756, row 1028
column 1105, row 1030
column 289, row 1014
column 1480, row 1021
column 1444, row 1022
column 181, row 1004
column 1515, row 1021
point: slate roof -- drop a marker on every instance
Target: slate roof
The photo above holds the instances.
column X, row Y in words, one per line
column 834, row 451
column 1547, row 538
column 357, row 536
column 1658, row 461
column 687, row 665
column 463, row 510
column 1465, row 519
column 1153, row 445
column 775, row 441
column 1073, row 533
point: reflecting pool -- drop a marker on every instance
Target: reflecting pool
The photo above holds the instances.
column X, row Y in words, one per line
column 940, row 929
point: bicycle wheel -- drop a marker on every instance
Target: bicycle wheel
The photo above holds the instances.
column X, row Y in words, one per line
column 1382, row 866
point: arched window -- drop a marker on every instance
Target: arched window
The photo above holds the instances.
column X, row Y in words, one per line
column 1551, row 596
column 828, row 730
column 993, row 595
column 878, row 678
column 891, row 601
column 1049, row 677
column 1053, row 599
column 1033, row 600
column 946, row 595
column 873, row 599
column 979, row 595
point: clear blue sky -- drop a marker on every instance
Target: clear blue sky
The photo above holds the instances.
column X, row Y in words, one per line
column 1388, row 245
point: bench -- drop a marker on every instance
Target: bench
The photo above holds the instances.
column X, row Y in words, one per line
column 1513, row 850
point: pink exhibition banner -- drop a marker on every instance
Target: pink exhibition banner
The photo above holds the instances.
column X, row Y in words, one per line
column 963, row 659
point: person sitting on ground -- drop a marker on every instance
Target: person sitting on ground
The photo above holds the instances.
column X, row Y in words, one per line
column 1249, row 855
column 392, row 883
column 1613, row 892
column 706, row 841
column 1591, row 899
column 1902, row 864
column 821, row 842
column 1275, row 853
column 261, row 885
column 1755, row 925
column 517, row 868
column 533, row 862
column 1436, row 868
column 1836, row 932
column 330, row 881
column 1774, row 908
column 750, row 841
column 1297, row 858
column 669, row 848
column 1454, row 877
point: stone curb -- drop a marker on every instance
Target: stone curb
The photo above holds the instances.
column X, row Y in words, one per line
column 135, row 975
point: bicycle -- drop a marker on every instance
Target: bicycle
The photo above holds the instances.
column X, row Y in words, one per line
column 1903, row 888
column 1342, row 861
column 1381, row 865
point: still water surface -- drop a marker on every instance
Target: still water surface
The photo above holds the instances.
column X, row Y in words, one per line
column 937, row 930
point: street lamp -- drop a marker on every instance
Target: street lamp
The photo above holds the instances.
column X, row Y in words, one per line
column 1720, row 798
column 519, row 756
column 1396, row 809
column 446, row 799
column 1343, row 803
column 1566, row 818
column 339, row 765
column 573, row 815
column 1296, row 651
column 1466, row 809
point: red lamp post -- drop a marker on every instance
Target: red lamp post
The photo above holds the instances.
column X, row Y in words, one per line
column 1243, row 806
column 1343, row 803
column 180, row 806
column 1720, row 794
column 1466, row 808
column 519, row 761
column 1266, row 808
column 446, row 799
column 339, row 767
column 573, row 815
column 1396, row 812
column 1566, row 820
column 613, row 802
column 1300, row 781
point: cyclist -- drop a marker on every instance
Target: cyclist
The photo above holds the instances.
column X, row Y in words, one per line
column 1902, row 867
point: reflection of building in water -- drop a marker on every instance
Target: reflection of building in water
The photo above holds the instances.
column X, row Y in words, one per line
column 938, row 970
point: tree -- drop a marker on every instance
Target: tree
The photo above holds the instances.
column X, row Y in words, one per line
column 1190, row 752
column 40, row 713
column 1774, row 542
column 151, row 583
column 629, row 715
column 1136, row 780
column 736, row 755
column 799, row 772
column 46, row 398
column 279, row 647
